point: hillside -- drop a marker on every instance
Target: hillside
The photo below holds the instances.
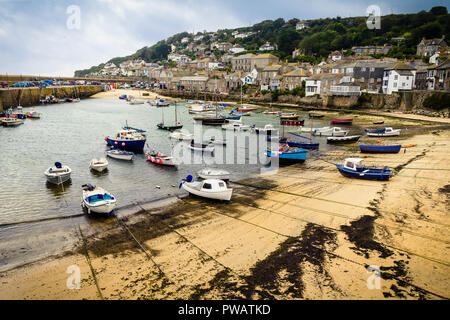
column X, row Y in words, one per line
column 316, row 41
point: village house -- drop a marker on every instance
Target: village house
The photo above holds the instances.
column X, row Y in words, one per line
column 335, row 56
column 331, row 79
column 312, row 86
column 293, row 79
column 250, row 78
column 297, row 52
column 360, row 50
column 242, row 62
column 400, row 77
column 301, row 25
column 185, row 40
column 222, row 46
column 233, row 81
column 345, row 89
column 267, row 74
column 193, row 83
column 438, row 77
column 110, row 69
column 244, row 35
column 368, row 74
column 420, row 82
column 236, row 49
column 275, row 83
column 429, row 47
column 260, row 61
column 178, row 58
column 216, row 84
column 267, row 47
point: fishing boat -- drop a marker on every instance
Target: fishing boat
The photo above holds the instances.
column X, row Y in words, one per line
column 98, row 165
column 329, row 131
column 58, row 174
column 345, row 139
column 286, row 116
column 244, row 108
column 97, row 200
column 341, row 121
column 380, row 149
column 128, row 139
column 315, row 115
column 210, row 188
column 120, row 154
column 12, row 122
column 201, row 147
column 33, row 114
column 239, row 113
column 268, row 129
column 160, row 159
column 354, row 168
column 384, row 132
column 180, row 135
column 288, row 154
column 209, row 173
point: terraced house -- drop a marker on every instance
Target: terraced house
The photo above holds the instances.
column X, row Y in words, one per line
column 293, row 79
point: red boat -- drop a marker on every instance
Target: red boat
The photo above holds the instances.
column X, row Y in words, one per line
column 245, row 109
column 160, row 159
column 341, row 121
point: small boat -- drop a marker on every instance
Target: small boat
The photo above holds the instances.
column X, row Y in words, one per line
column 286, row 153
column 268, row 129
column 235, row 126
column 163, row 126
column 58, row 174
column 329, row 131
column 136, row 101
column 346, row 139
column 303, row 145
column 272, row 112
column 160, row 159
column 354, row 168
column 201, row 147
column 378, row 122
column 179, row 135
column 245, row 109
column 218, row 142
column 341, row 121
column 226, row 106
column 231, row 117
column 297, row 123
column 12, row 122
column 210, row 188
column 211, row 120
column 209, row 173
column 380, row 149
column 315, row 115
column 286, row 116
column 135, row 129
column 123, row 97
column 33, row 114
column 384, row 132
column 162, row 103
column 99, row 165
column 120, row 154
column 97, row 200
column 127, row 139
column 240, row 113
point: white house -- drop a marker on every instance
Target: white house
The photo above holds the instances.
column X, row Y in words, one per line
column 251, row 77
column 312, row 85
column 267, row 47
column 185, row 40
column 335, row 56
column 198, row 38
column 237, row 49
column 398, row 78
column 301, row 25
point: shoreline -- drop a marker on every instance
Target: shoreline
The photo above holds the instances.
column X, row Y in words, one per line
column 303, row 224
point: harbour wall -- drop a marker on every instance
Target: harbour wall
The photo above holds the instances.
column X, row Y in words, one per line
column 12, row 97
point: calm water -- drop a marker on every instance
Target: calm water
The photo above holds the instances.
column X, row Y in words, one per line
column 74, row 134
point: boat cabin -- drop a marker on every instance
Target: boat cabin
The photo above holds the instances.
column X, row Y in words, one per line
column 355, row 164
column 213, row 185
column 129, row 134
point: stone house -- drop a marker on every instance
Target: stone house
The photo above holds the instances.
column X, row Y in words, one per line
column 428, row 47
column 293, row 79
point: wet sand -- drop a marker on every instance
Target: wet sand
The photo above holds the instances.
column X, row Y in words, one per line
column 304, row 233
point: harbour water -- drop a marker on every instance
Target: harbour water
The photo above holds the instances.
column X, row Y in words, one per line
column 74, row 134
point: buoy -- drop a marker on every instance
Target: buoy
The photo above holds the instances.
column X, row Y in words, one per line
column 115, row 142
column 106, row 139
column 123, row 144
column 379, row 141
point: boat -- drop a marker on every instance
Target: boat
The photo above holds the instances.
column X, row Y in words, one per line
column 209, row 173
column 33, row 114
column 99, row 165
column 161, row 103
column 315, row 115
column 297, row 123
column 285, row 116
column 345, row 139
column 210, row 188
column 240, row 113
column 272, row 112
column 201, row 147
column 235, row 126
column 268, row 129
column 120, row 154
column 354, row 168
column 58, row 174
column 245, row 109
column 127, row 139
column 378, row 122
column 135, row 129
column 12, row 122
column 226, row 106
column 384, row 132
column 123, row 97
column 97, row 200
column 136, row 101
column 380, row 149
column 161, row 159
column 303, row 145
column 286, row 153
column 179, row 135
column 341, row 121
column 210, row 120
column 329, row 131
column 231, row 118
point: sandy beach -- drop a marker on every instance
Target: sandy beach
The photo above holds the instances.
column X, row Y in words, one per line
column 305, row 232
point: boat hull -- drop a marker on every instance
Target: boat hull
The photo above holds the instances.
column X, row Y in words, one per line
column 105, row 208
column 310, row 146
column 224, row 195
column 379, row 174
column 342, row 121
column 169, row 128
column 121, row 156
column 163, row 161
column 346, row 139
column 58, row 179
column 380, row 149
column 132, row 145
column 297, row 156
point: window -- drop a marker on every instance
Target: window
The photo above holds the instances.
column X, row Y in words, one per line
column 363, row 69
column 395, row 84
column 207, row 186
column 372, row 69
column 396, row 77
column 350, row 165
column 372, row 80
column 221, row 184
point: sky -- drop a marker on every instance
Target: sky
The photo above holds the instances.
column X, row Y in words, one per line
column 57, row 37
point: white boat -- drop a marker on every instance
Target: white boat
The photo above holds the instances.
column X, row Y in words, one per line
column 384, row 132
column 180, row 135
column 201, row 147
column 218, row 142
column 99, row 165
column 12, row 122
column 120, row 154
column 268, row 129
column 152, row 102
column 160, row 159
column 97, row 200
column 236, row 127
column 272, row 112
column 209, row 173
column 136, row 101
column 210, row 188
column 58, row 174
column 329, row 131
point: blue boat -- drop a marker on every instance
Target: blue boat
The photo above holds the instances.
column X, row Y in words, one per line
column 123, row 97
column 135, row 129
column 311, row 146
column 231, row 117
column 380, row 149
column 127, row 140
column 354, row 168
column 286, row 154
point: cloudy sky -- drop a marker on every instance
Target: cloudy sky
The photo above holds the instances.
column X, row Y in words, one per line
column 43, row 37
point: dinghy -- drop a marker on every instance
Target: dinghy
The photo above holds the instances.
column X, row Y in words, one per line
column 209, row 173
column 180, row 135
column 97, row 200
column 12, row 122
column 384, row 132
column 288, row 154
column 201, row 147
column 98, row 165
column 346, row 139
column 380, row 149
column 341, row 121
column 287, row 116
column 329, row 131
column 160, row 159
column 354, row 168
column 58, row 174
column 210, row 188
column 120, row 154
column 315, row 115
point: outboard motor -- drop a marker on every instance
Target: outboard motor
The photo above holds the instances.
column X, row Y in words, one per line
column 58, row 165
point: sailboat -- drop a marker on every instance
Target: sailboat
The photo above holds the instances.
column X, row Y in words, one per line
column 177, row 125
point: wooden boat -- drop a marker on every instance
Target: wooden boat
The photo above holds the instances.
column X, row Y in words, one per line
column 341, row 121
column 380, row 149
column 120, row 154
column 98, row 165
column 329, row 131
column 346, row 139
column 303, row 145
column 160, row 159
column 285, row 116
column 179, row 135
column 288, row 154
column 210, row 188
column 97, row 200
column 58, row 174
column 384, row 132
column 315, row 115
column 245, row 109
column 123, row 97
column 354, row 168
column 209, row 173
column 201, row 147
